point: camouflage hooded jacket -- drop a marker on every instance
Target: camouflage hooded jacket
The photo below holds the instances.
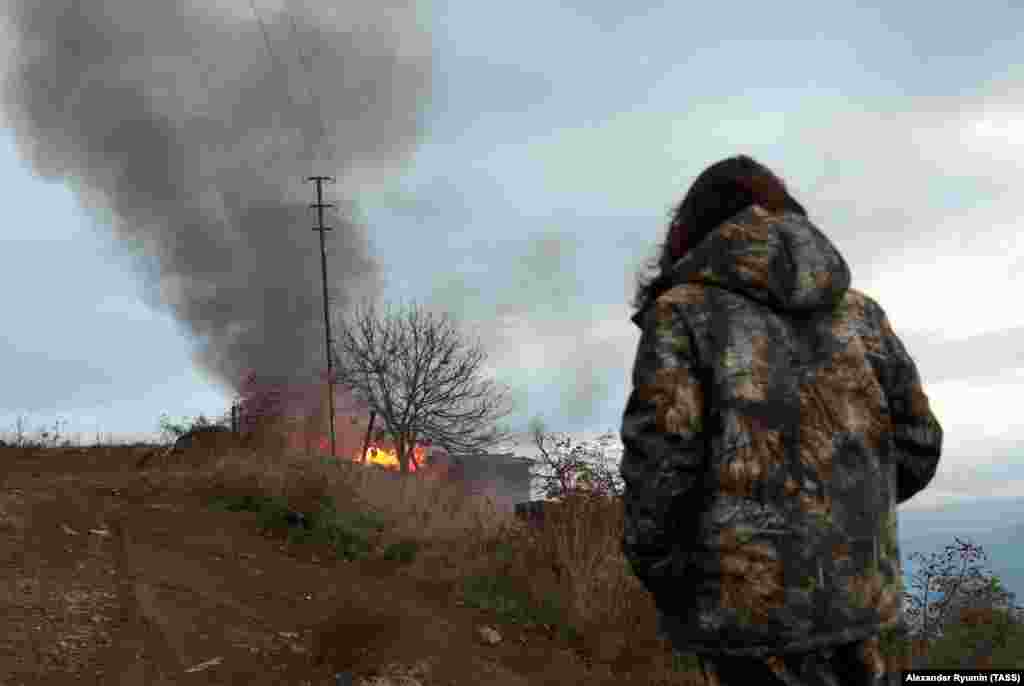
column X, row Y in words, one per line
column 774, row 424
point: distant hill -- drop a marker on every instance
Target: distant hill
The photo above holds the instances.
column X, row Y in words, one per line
column 981, row 513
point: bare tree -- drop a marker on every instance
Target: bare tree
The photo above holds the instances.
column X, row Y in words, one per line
column 418, row 374
column 574, row 468
column 968, row 587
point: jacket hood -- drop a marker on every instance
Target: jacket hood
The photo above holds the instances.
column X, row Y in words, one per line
column 780, row 260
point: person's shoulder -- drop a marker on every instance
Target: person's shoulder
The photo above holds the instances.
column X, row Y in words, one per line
column 865, row 303
column 862, row 298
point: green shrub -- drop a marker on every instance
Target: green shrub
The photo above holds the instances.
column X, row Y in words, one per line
column 683, row 663
column 1004, row 637
column 511, row 604
column 350, row 534
column 403, row 551
column 247, row 503
column 895, row 641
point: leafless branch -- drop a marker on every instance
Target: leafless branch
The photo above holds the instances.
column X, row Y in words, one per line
column 570, row 468
column 421, row 377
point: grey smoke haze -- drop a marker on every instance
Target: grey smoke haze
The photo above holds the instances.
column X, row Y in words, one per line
column 178, row 126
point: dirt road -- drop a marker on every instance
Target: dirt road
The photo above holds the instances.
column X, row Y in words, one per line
column 108, row 580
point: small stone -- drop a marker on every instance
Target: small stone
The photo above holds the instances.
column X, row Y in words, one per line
column 489, row 635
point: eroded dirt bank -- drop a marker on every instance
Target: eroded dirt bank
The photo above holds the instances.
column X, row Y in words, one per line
column 108, row 580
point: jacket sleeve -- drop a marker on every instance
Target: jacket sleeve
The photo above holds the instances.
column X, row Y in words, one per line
column 663, row 447
column 917, row 433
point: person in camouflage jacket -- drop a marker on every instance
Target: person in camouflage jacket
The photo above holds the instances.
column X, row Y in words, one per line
column 774, row 424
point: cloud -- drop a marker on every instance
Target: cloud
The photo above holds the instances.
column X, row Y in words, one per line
column 978, row 409
column 892, row 187
column 916, row 199
column 940, row 252
column 526, row 304
column 573, row 363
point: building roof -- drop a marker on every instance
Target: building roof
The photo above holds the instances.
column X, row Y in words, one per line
column 506, row 458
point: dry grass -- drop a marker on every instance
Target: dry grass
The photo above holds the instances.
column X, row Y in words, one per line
column 569, row 573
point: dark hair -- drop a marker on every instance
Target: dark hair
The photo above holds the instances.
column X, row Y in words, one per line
column 721, row 191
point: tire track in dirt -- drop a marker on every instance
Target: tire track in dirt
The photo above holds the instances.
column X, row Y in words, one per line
column 57, row 576
column 143, row 648
column 216, row 576
column 177, row 585
column 209, row 590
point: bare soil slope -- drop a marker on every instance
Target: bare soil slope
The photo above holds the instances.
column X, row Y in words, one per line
column 109, row 580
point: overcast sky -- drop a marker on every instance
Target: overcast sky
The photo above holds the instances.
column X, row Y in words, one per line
column 551, row 141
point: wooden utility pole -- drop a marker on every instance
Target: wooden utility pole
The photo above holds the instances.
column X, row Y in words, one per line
column 320, row 205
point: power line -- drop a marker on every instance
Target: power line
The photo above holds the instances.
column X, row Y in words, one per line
column 263, row 27
column 317, row 115
column 307, row 62
column 279, row 66
column 276, row 64
column 312, row 94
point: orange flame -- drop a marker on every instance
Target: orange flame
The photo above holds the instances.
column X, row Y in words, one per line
column 377, row 454
column 387, row 457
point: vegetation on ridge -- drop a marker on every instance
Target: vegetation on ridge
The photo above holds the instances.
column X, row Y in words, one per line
column 567, row 575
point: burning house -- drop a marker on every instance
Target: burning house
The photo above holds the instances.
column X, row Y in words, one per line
column 299, row 414
column 502, row 477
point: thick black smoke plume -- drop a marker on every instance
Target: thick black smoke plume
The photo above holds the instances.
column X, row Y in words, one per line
column 195, row 124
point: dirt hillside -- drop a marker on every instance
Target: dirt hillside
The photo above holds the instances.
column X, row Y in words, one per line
column 108, row 579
